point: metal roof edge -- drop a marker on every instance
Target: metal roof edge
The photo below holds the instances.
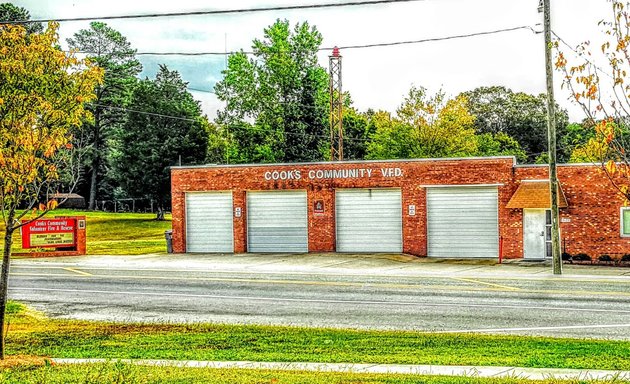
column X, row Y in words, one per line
column 343, row 162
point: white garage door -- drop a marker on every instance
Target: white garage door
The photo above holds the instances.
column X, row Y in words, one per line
column 463, row 222
column 277, row 221
column 209, row 222
column 369, row 220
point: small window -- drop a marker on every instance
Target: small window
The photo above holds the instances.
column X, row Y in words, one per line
column 625, row 221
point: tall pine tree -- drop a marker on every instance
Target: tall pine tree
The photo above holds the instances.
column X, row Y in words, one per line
column 164, row 125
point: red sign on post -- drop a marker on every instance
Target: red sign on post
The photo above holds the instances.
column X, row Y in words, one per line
column 50, row 233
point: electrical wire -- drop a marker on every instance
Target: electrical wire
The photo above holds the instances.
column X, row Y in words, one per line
column 427, row 40
column 343, row 47
column 145, row 113
column 581, row 55
column 257, row 129
column 217, row 11
column 253, row 128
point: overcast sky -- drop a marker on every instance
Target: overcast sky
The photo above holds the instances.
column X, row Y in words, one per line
column 377, row 78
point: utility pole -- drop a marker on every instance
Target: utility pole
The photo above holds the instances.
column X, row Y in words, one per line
column 551, row 142
column 336, row 106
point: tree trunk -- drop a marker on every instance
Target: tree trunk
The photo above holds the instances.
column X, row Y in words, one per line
column 93, row 186
column 96, row 163
column 4, row 277
column 160, row 214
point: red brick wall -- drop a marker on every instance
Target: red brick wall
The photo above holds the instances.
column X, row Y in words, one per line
column 416, row 175
column 593, row 203
column 593, row 211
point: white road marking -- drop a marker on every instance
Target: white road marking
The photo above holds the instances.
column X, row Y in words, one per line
column 585, row 326
column 474, row 281
column 622, row 278
column 78, row 272
column 321, row 301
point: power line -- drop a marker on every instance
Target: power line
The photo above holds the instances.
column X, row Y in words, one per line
column 200, row 90
column 145, row 113
column 251, row 127
column 260, row 130
column 580, row 54
column 354, row 46
column 216, row 12
column 434, row 39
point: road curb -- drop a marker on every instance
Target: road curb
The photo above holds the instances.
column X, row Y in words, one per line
column 440, row 370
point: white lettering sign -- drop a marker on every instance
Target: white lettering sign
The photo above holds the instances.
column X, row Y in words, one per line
column 283, row 175
column 320, row 174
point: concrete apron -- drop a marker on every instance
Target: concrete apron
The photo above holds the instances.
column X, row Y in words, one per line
column 439, row 370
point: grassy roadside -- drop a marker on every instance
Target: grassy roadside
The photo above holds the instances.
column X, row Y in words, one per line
column 115, row 233
column 125, row 373
column 32, row 334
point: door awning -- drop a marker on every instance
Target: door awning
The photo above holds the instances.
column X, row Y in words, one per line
column 535, row 194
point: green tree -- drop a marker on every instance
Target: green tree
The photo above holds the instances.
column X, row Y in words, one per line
column 42, row 96
column 520, row 115
column 218, row 143
column 425, row 126
column 576, row 137
column 276, row 102
column 500, row 144
column 170, row 129
column 357, row 130
column 10, row 12
column 391, row 139
column 111, row 51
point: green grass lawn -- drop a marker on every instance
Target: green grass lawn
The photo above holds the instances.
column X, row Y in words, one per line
column 125, row 373
column 116, row 233
column 33, row 334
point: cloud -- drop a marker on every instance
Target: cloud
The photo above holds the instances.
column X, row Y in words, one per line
column 376, row 78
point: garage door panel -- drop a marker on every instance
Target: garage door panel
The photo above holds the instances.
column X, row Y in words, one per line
column 369, row 220
column 462, row 222
column 277, row 221
column 209, row 224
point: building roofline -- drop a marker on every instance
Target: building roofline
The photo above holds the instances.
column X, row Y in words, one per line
column 559, row 165
column 344, row 162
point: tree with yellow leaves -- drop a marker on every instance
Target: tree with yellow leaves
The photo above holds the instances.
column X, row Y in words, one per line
column 599, row 83
column 425, row 126
column 42, row 95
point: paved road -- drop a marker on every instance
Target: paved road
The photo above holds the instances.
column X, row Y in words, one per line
column 376, row 292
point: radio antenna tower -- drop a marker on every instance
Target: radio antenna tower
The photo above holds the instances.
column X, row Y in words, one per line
column 336, row 106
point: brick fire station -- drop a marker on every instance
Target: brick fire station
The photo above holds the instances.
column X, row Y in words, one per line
column 461, row 208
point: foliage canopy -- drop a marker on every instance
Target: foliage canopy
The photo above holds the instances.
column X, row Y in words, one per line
column 43, row 92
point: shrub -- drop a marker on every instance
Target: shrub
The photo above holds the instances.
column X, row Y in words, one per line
column 605, row 258
column 582, row 257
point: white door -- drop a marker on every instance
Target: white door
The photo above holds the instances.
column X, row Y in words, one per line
column 536, row 233
column 369, row 220
column 463, row 222
column 277, row 221
column 209, row 224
